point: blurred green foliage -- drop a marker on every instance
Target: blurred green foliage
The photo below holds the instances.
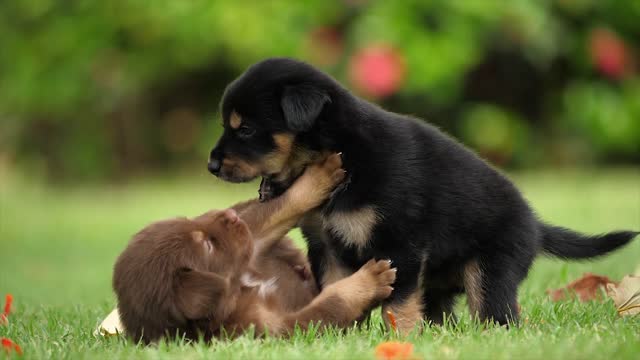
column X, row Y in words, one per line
column 102, row 89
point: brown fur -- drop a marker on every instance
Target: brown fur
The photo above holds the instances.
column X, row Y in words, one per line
column 333, row 268
column 211, row 275
column 472, row 279
column 407, row 314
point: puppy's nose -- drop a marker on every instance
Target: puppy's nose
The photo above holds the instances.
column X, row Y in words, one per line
column 231, row 216
column 214, row 166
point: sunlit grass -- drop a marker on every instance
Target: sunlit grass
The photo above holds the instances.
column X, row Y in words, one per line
column 57, row 248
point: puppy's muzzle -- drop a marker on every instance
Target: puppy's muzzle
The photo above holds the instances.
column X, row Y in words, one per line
column 214, row 166
column 215, row 161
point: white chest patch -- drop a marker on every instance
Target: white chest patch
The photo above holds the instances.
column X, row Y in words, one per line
column 264, row 287
column 353, row 227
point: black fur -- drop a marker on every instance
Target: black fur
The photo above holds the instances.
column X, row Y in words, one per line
column 564, row 243
column 301, row 105
column 437, row 200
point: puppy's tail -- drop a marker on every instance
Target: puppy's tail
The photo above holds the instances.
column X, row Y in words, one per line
column 568, row 244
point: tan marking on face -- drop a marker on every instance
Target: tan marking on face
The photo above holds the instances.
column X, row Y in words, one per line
column 354, row 227
column 275, row 161
column 472, row 279
column 408, row 314
column 284, row 142
column 235, row 120
column 239, row 168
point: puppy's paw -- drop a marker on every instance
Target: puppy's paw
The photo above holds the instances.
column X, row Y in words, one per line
column 328, row 173
column 380, row 276
column 332, row 164
column 333, row 167
column 317, row 182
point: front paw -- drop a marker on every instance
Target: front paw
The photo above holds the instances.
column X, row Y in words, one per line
column 380, row 275
column 332, row 172
column 317, row 182
column 325, row 175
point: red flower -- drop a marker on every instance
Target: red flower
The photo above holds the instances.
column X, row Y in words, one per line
column 9, row 345
column 609, row 53
column 7, row 308
column 393, row 350
column 377, row 71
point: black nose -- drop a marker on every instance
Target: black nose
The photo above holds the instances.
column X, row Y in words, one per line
column 214, row 166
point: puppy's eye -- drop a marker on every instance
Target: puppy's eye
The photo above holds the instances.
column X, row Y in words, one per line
column 245, row 131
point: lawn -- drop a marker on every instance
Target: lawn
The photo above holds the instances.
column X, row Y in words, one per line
column 58, row 245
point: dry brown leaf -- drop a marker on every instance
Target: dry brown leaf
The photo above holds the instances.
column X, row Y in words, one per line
column 626, row 295
column 588, row 287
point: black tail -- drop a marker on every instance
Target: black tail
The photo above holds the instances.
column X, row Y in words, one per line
column 564, row 243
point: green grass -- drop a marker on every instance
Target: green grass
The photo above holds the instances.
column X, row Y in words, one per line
column 57, row 248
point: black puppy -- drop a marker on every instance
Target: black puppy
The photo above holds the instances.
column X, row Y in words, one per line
column 450, row 222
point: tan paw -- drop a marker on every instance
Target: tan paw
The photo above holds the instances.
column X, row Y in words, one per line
column 381, row 275
column 317, row 182
column 329, row 173
column 333, row 167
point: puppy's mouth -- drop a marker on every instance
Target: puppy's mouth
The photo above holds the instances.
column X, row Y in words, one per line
column 233, row 178
column 271, row 187
column 235, row 170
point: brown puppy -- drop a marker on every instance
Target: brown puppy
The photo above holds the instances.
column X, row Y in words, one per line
column 276, row 263
column 192, row 277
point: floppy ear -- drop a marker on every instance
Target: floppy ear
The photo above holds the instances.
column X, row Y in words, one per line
column 199, row 292
column 301, row 105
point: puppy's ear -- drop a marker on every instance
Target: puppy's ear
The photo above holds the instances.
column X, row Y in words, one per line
column 301, row 105
column 199, row 292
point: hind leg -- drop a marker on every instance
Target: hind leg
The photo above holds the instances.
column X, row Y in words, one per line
column 405, row 304
column 406, row 313
column 492, row 284
column 438, row 305
column 491, row 279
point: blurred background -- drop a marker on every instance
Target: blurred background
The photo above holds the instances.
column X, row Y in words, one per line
column 108, row 109
column 102, row 90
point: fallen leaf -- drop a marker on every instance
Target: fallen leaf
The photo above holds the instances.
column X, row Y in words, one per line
column 111, row 325
column 392, row 320
column 393, row 350
column 588, row 287
column 626, row 295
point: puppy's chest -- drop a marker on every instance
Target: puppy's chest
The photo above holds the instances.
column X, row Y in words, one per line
column 349, row 229
column 264, row 287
